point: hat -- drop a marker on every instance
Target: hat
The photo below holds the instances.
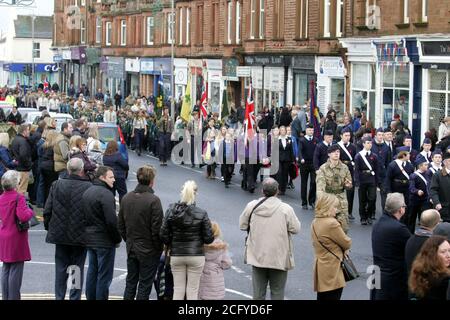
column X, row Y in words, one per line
column 380, row 130
column 420, row 160
column 442, row 229
column 332, row 148
column 427, row 141
column 366, row 139
column 405, row 149
column 328, row 133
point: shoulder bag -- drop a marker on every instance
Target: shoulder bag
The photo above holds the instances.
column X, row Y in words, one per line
column 24, row 226
column 248, row 227
column 348, row 268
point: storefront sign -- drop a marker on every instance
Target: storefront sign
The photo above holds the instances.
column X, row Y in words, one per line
column 215, row 76
column 195, row 63
column 436, row 48
column 229, row 69
column 303, row 62
column 215, row 64
column 330, row 67
column 276, row 76
column 274, row 60
column 66, row 54
column 132, row 65
column 38, row 67
column 243, row 72
column 146, row 66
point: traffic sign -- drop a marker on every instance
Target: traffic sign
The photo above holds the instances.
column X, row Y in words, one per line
column 57, row 58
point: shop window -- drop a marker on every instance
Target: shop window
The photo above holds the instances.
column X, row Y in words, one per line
column 338, row 96
column 215, row 97
column 439, row 97
column 395, row 93
column 363, row 92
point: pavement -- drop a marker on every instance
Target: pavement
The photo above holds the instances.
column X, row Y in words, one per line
column 224, row 206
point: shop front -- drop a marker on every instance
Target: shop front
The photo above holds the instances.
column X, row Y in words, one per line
column 132, row 69
column 231, row 81
column 181, row 77
column 434, row 56
column 331, row 90
column 146, row 77
column 93, row 69
column 78, row 66
column 215, row 84
column 162, row 78
column 302, row 72
column 113, row 74
column 43, row 72
column 267, row 76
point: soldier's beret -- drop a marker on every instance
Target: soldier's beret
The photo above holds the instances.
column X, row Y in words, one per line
column 420, row 160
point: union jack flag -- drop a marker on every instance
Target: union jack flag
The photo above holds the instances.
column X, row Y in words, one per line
column 250, row 118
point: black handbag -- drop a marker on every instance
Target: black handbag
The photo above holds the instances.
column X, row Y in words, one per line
column 347, row 265
column 24, row 226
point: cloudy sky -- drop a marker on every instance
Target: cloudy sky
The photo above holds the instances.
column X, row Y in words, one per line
column 41, row 7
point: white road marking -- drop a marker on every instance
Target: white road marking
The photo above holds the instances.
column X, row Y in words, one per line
column 52, row 263
column 238, row 293
column 238, row 270
column 119, row 278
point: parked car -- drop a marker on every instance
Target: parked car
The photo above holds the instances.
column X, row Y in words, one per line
column 111, row 132
column 60, row 118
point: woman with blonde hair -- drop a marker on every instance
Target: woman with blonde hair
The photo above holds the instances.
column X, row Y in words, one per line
column 47, row 162
column 6, row 161
column 430, row 273
column 212, row 281
column 330, row 244
column 93, row 138
column 186, row 229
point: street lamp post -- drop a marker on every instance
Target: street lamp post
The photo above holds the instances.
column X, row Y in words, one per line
column 172, row 82
column 33, row 17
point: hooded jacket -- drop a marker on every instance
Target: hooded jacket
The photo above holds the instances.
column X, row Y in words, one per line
column 269, row 244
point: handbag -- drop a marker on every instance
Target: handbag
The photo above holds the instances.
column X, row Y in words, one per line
column 24, row 226
column 248, row 227
column 347, row 265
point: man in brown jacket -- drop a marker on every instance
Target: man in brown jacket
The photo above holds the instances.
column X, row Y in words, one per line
column 61, row 149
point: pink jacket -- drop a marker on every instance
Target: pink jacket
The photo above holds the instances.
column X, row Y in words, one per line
column 212, row 282
column 13, row 244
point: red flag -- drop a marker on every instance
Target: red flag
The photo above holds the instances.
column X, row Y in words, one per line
column 249, row 114
column 204, row 101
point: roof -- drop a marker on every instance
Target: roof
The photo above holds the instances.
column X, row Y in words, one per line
column 43, row 27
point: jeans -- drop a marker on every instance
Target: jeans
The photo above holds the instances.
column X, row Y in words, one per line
column 100, row 273
column 139, row 139
column 275, row 278
column 120, row 185
column 141, row 274
column 40, row 191
column 12, row 274
column 164, row 147
column 66, row 257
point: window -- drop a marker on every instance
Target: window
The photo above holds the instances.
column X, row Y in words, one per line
column 82, row 31
column 180, row 36
column 170, row 28
column 123, row 33
column 302, row 19
column 188, row 24
column 438, row 97
column 371, row 14
column 108, row 33
column 229, row 21
column 215, row 23
column 363, row 89
column 199, row 25
column 395, row 86
column 279, row 19
column 261, row 19
column 150, row 31
column 326, row 18
column 37, row 50
column 238, row 22
column 405, row 11
column 83, row 3
column 98, row 30
column 424, row 10
column 252, row 18
column 340, row 18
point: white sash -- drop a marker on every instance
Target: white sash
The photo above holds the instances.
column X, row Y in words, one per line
column 363, row 156
column 421, row 177
column 425, row 156
column 434, row 170
column 346, row 152
column 402, row 169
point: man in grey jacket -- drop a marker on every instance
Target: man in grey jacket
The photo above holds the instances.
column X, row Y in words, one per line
column 298, row 125
column 270, row 224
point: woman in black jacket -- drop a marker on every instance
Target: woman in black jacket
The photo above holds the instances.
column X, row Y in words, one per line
column 185, row 229
column 46, row 161
column 430, row 273
column 114, row 159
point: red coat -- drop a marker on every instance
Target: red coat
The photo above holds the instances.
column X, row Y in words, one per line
column 14, row 245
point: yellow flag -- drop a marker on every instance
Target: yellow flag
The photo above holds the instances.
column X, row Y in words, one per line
column 186, row 107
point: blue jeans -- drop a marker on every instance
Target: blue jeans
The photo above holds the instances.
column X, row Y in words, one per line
column 100, row 273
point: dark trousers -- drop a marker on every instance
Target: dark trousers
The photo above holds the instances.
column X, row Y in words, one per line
column 12, row 274
column 139, row 139
column 276, row 279
column 330, row 295
column 283, row 175
column 227, row 172
column 100, row 273
column 367, row 201
column 383, row 199
column 49, row 177
column 120, row 185
column 141, row 274
column 164, row 147
column 211, row 170
column 415, row 211
column 350, row 199
column 307, row 172
column 69, row 259
column 249, row 176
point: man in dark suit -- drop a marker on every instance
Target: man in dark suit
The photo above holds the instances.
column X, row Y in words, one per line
column 306, row 147
column 381, row 149
column 407, row 142
column 366, row 178
column 387, row 137
column 419, row 199
column 426, row 151
column 347, row 156
column 389, row 237
column 440, row 189
column 321, row 152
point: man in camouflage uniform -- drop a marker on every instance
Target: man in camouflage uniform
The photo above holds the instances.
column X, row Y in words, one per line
column 334, row 177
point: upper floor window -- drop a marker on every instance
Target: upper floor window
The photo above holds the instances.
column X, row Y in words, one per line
column 170, row 28
column 98, row 30
column 238, row 22
column 424, row 10
column 123, row 32
column 37, row 50
column 302, row 18
column 279, row 19
column 108, row 33
column 199, row 23
column 333, row 18
column 188, row 24
column 229, row 21
column 405, row 11
column 82, row 31
column 150, row 31
column 257, row 19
